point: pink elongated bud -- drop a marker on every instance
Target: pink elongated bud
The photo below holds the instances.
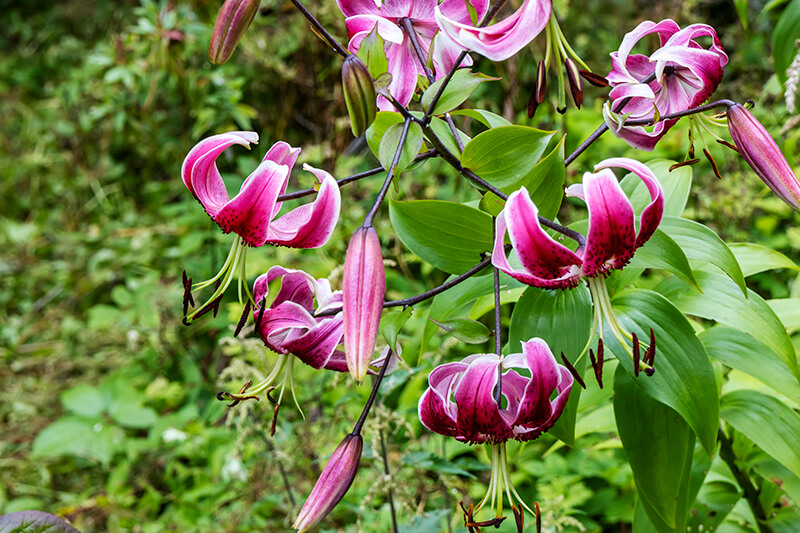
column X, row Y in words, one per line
column 332, row 484
column 761, row 152
column 233, row 20
column 363, row 287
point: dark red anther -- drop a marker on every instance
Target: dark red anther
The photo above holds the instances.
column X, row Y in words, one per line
column 538, row 92
column 575, row 82
column 243, row 318
column 650, row 354
column 260, row 314
column 594, row 79
column 636, row 355
column 729, row 145
column 599, row 369
column 538, row 517
column 573, row 370
column 684, row 163
column 519, row 518
column 713, row 163
column 218, row 300
column 691, row 144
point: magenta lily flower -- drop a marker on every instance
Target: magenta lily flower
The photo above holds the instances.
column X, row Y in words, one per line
column 250, row 213
column 404, row 66
column 761, row 152
column 503, row 39
column 686, row 74
column 465, row 400
column 610, row 243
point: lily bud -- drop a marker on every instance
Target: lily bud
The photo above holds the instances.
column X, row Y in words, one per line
column 575, row 81
column 233, row 20
column 364, row 286
column 761, row 152
column 359, row 94
column 332, row 484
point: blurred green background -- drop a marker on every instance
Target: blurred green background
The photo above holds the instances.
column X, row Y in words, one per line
column 108, row 413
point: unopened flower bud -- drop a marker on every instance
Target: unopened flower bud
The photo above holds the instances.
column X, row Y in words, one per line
column 364, row 286
column 233, row 20
column 332, row 484
column 761, row 152
column 359, row 94
column 575, row 81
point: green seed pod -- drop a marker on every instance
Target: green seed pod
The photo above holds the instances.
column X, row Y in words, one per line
column 359, row 94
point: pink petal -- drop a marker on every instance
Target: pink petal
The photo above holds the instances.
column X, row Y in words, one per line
column 311, row 225
column 282, row 153
column 504, row 39
column 457, row 10
column 318, row 344
column 357, row 7
column 611, row 240
column 199, row 169
column 250, row 212
column 282, row 324
column 546, row 263
column 535, row 408
column 637, row 136
column 479, row 419
column 364, row 24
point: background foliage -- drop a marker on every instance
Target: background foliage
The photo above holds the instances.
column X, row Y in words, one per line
column 108, row 408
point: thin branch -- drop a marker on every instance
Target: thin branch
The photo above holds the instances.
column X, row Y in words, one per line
column 389, row 175
column 320, row 29
column 388, row 475
column 750, row 492
column 372, row 395
column 498, row 342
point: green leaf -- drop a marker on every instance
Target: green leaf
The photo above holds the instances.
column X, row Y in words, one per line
column 487, row 118
column 450, row 236
column 721, row 300
column 392, row 323
column 755, row 258
column 504, row 155
column 443, row 132
column 457, row 91
column 660, row 251
column 676, row 185
column 787, row 31
column 715, row 500
column 133, row 415
column 684, row 378
column 390, row 142
column 788, row 311
column 465, row 330
column 84, row 400
column 545, row 184
column 76, row 436
column 383, row 121
column 34, row 522
column 741, row 11
column 768, row 422
column 702, row 244
column 741, row 351
column 371, row 52
column 564, row 320
column 659, row 445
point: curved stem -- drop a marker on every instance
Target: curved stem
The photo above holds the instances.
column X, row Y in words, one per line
column 388, row 475
column 372, row 395
column 389, row 175
column 320, row 29
column 750, row 492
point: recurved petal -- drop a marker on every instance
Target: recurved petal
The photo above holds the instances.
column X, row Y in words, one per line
column 310, row 225
column 546, row 263
column 250, row 212
column 319, row 343
column 296, row 286
column 504, row 39
column 652, row 213
column 611, row 240
column 282, row 153
column 479, row 418
column 437, row 410
column 636, row 136
column 535, row 408
column 358, row 7
column 282, row 324
column 199, row 169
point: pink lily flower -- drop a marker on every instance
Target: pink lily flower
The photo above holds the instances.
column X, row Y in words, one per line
column 250, row 214
column 686, row 74
column 503, row 39
column 761, row 152
column 610, row 243
column 364, row 15
column 463, row 398
column 288, row 325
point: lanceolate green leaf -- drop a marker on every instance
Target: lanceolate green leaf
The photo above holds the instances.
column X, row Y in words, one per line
column 564, row 320
column 390, row 142
column 383, row 121
column 465, row 330
column 768, row 422
column 721, row 300
column 755, row 258
column 443, row 132
column 457, row 91
column 787, row 31
column 487, row 118
column 371, row 52
column 788, row 311
column 741, row 351
column 450, row 236
column 504, row 155
column 684, row 378
column 659, row 445
column 662, row 252
column 701, row 243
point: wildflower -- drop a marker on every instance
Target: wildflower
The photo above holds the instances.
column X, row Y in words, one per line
column 466, row 400
column 250, row 213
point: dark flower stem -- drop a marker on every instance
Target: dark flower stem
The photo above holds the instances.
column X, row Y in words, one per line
column 498, row 341
column 372, row 395
column 750, row 492
column 389, row 176
column 270, row 448
column 388, row 476
column 349, row 179
column 320, row 30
